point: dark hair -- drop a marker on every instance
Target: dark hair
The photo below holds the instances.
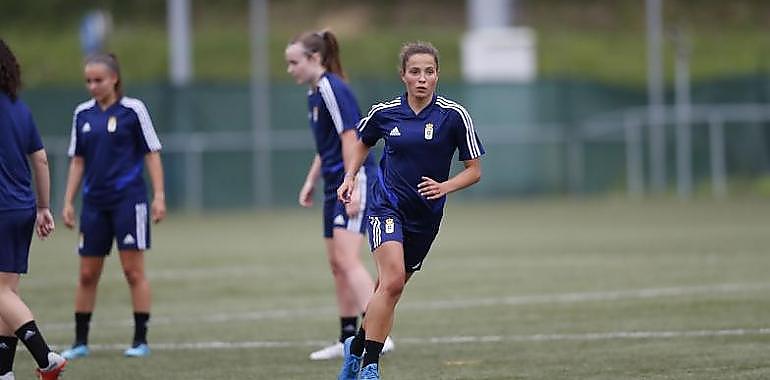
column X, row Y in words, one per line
column 10, row 72
column 419, row 47
column 324, row 43
column 111, row 61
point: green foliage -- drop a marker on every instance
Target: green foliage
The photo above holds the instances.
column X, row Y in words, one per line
column 597, row 40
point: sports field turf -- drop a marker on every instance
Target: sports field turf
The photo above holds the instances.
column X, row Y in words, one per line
column 544, row 289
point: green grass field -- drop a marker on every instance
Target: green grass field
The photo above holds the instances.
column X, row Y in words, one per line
column 545, row 289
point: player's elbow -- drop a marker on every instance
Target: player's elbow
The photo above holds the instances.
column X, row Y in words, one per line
column 476, row 175
column 40, row 160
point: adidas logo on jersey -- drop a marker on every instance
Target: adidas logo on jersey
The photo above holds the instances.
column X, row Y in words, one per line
column 395, row 132
column 339, row 220
column 129, row 239
column 86, row 127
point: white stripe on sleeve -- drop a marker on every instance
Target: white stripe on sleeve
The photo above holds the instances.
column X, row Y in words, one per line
column 327, row 94
column 148, row 131
column 73, row 135
column 375, row 108
column 470, row 132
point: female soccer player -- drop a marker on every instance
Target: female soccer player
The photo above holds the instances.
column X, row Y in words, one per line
column 111, row 135
column 313, row 59
column 21, row 212
column 421, row 132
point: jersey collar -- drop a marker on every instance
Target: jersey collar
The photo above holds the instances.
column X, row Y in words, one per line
column 405, row 106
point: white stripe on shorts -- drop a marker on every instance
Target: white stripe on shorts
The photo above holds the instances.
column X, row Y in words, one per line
column 376, row 232
column 354, row 224
column 141, row 226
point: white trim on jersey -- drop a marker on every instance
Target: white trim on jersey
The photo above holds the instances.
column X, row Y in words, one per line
column 73, row 136
column 375, row 108
column 354, row 224
column 327, row 94
column 141, row 225
column 470, row 132
column 148, row 131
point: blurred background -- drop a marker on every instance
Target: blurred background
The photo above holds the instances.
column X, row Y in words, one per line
column 620, row 229
column 579, row 98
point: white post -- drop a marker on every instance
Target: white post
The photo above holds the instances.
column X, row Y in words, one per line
column 683, row 116
column 260, row 101
column 718, row 166
column 655, row 95
column 180, row 51
column 194, row 174
column 634, row 158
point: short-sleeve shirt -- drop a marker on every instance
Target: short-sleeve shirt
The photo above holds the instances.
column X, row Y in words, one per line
column 416, row 146
column 113, row 143
column 332, row 110
column 18, row 139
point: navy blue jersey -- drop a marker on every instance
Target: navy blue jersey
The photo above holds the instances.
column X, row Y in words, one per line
column 113, row 143
column 416, row 145
column 333, row 109
column 18, row 139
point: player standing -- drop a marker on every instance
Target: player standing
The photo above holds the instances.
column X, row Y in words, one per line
column 112, row 137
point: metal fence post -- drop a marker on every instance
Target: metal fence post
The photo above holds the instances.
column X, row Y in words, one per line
column 634, row 158
column 194, row 174
column 717, row 153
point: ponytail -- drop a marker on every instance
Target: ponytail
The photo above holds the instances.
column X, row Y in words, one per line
column 331, row 61
column 325, row 44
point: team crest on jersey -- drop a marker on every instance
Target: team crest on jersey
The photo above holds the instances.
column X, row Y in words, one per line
column 86, row 127
column 389, row 225
column 112, row 124
column 429, row 131
column 315, row 114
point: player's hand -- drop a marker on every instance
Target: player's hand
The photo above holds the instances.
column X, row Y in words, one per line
column 306, row 195
column 431, row 189
column 345, row 191
column 158, row 209
column 353, row 207
column 68, row 215
column 44, row 224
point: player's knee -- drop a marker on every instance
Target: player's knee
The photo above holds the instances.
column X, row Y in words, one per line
column 393, row 286
column 340, row 265
column 88, row 279
column 133, row 276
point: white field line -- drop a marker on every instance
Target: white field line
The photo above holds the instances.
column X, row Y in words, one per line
column 559, row 298
column 595, row 336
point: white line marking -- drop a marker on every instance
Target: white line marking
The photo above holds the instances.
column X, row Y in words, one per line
column 443, row 304
column 595, row 336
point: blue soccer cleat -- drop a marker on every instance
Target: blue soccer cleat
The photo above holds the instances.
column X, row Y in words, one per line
column 76, row 352
column 138, row 351
column 350, row 363
column 370, row 372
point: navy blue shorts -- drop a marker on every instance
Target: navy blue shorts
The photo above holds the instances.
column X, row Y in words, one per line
column 390, row 228
column 128, row 223
column 335, row 216
column 16, row 228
